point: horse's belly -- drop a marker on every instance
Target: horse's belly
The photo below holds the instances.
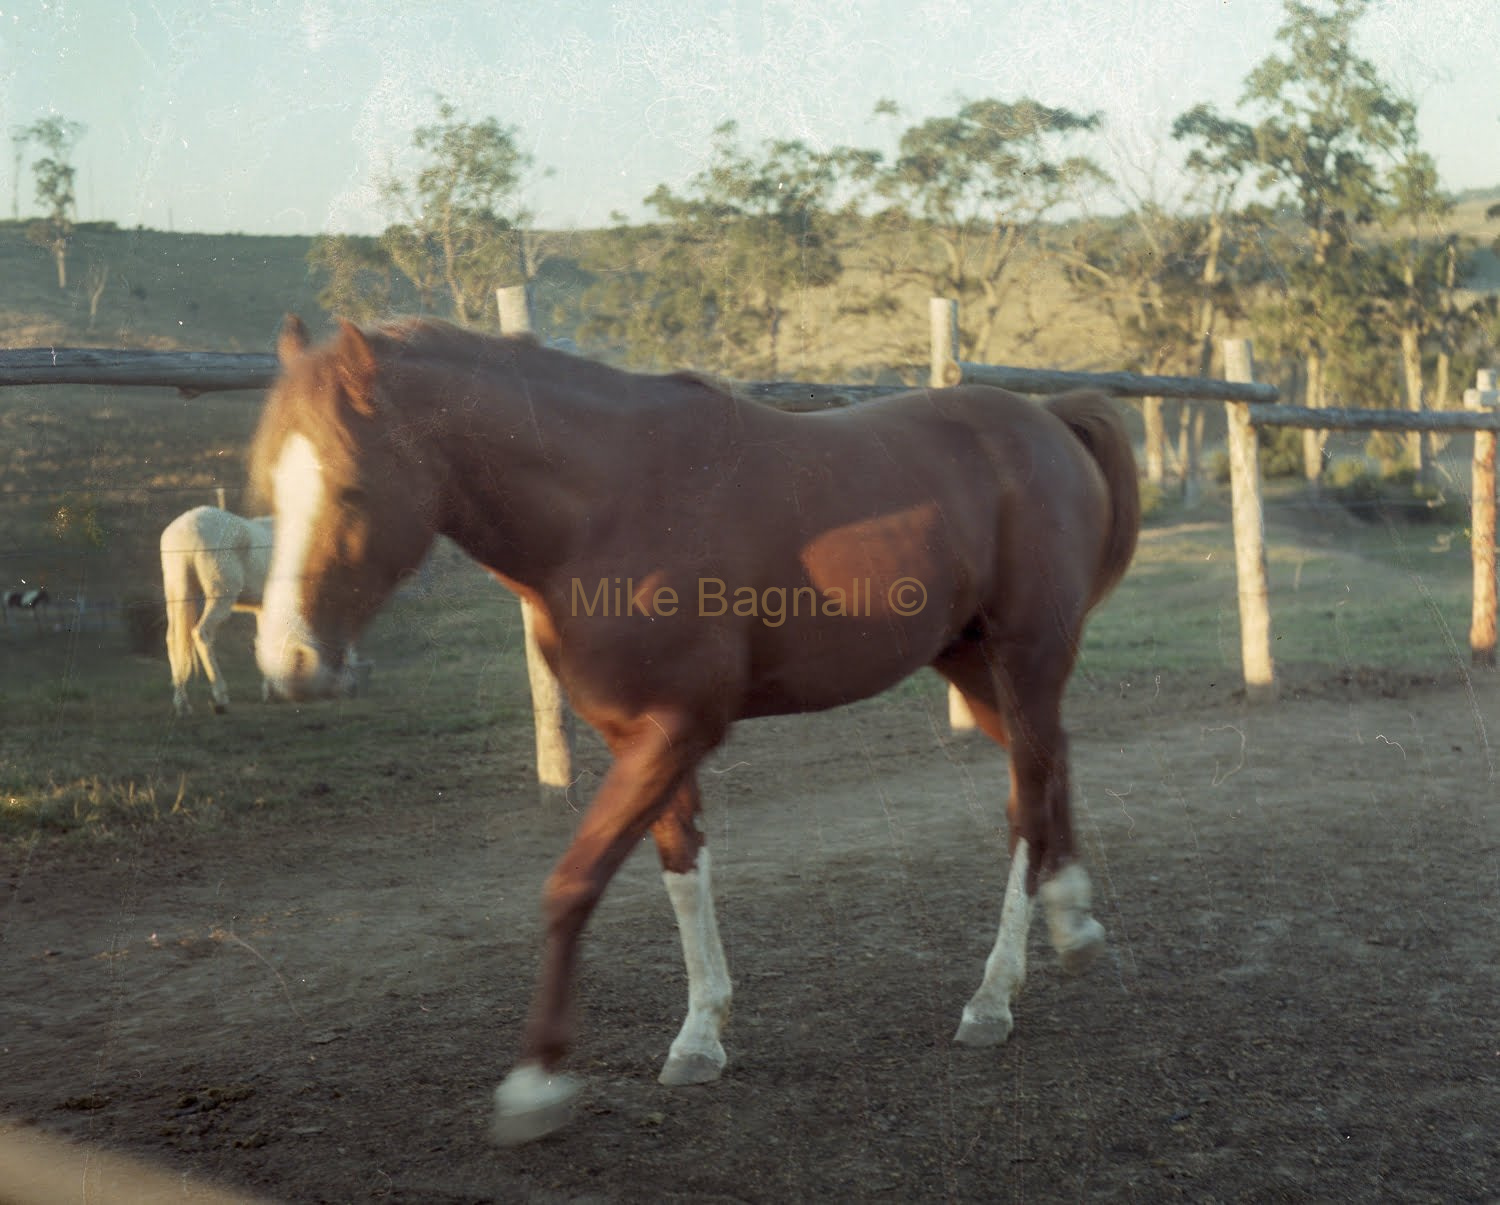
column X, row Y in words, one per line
column 827, row 666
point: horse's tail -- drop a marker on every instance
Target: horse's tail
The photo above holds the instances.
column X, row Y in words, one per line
column 1095, row 420
column 179, row 584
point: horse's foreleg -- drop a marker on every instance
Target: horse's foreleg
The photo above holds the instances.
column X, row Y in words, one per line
column 650, row 762
column 697, row 1055
column 987, row 1019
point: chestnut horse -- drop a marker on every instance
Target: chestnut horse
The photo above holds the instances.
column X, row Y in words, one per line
column 694, row 559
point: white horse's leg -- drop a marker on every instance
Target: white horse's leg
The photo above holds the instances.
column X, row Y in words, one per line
column 1076, row 935
column 987, row 1020
column 215, row 613
column 697, row 1056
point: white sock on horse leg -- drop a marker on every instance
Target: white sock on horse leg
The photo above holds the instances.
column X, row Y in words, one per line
column 1076, row 935
column 697, row 1056
column 987, row 1019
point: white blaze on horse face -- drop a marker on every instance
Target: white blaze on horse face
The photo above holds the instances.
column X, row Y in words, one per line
column 297, row 489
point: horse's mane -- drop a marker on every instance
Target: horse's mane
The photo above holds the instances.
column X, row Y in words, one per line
column 457, row 347
column 434, row 336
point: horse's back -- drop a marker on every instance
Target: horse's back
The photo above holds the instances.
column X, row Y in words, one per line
column 229, row 553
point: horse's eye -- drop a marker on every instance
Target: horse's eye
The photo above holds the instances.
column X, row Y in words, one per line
column 352, row 498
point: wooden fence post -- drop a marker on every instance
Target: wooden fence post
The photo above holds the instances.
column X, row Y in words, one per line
column 943, row 316
column 1249, row 533
column 551, row 715
column 1482, row 624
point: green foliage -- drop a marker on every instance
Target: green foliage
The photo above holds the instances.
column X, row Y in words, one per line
column 713, row 287
column 357, row 273
column 1280, row 451
column 1351, row 478
column 1324, row 123
column 55, row 176
column 969, row 191
column 1153, row 500
column 460, row 231
column 1394, row 493
column 462, row 222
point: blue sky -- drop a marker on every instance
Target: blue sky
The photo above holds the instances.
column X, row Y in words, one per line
column 277, row 116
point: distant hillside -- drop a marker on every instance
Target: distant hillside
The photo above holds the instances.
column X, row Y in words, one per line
column 228, row 292
column 192, row 291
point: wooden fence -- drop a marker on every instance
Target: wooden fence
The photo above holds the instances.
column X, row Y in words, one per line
column 1248, row 405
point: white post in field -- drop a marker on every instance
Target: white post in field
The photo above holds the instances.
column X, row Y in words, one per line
column 943, row 318
column 1484, row 395
column 550, row 712
column 1249, row 532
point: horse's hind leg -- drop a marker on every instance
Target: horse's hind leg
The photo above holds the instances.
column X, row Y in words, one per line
column 987, row 1019
column 215, row 612
column 697, row 1055
column 1040, row 804
column 1040, row 837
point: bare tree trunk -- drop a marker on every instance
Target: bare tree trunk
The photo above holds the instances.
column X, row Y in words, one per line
column 1411, row 370
column 1156, row 440
column 98, row 278
column 1314, row 441
column 1193, row 418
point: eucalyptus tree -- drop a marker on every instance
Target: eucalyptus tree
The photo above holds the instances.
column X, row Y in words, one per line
column 460, row 230
column 719, row 280
column 1323, row 123
column 1326, row 121
column 967, row 193
column 1168, row 270
column 55, row 177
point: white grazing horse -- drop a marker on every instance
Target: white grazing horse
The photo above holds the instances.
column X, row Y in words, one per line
column 223, row 558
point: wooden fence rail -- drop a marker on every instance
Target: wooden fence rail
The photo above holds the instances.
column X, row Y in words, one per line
column 1249, row 404
column 191, row 371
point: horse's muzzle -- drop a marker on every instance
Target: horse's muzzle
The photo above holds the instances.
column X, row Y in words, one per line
column 298, row 670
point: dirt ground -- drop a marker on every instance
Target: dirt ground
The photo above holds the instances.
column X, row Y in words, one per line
column 1299, row 1001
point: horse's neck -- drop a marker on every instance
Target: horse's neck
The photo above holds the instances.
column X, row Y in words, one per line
column 519, row 476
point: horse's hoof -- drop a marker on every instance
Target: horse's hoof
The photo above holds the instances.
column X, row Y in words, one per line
column 977, row 1032
column 696, row 1068
column 220, row 708
column 1084, row 944
column 531, row 1104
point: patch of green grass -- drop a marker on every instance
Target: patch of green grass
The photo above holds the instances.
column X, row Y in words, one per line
column 91, row 743
column 1348, row 596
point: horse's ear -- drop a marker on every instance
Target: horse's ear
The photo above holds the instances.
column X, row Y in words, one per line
column 292, row 342
column 356, row 368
